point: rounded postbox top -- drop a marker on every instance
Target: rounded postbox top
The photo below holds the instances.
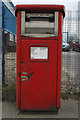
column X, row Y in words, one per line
column 40, row 8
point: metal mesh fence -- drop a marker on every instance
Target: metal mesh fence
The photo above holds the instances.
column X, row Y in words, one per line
column 70, row 57
column 10, row 58
column 10, row 66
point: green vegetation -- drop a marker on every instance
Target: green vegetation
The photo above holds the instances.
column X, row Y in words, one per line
column 9, row 93
column 72, row 95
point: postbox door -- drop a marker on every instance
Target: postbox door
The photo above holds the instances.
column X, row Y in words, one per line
column 38, row 74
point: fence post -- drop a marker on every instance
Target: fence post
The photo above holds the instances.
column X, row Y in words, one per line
column 67, row 37
column 3, row 47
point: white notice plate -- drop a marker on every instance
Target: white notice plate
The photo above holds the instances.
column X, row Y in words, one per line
column 39, row 52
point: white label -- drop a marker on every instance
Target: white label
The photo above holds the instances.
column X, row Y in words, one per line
column 39, row 14
column 39, row 52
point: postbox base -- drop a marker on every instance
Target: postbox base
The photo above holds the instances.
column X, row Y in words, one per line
column 41, row 110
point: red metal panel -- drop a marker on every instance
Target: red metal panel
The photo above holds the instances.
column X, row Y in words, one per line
column 40, row 8
column 18, row 56
column 39, row 91
column 59, row 61
column 40, row 38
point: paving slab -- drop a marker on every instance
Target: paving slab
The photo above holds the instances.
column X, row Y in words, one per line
column 69, row 109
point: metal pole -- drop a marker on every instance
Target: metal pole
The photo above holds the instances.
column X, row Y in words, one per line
column 3, row 47
column 67, row 36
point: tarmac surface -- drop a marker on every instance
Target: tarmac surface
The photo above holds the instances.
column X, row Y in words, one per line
column 69, row 109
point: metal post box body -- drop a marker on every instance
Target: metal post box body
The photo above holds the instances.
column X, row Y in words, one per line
column 39, row 58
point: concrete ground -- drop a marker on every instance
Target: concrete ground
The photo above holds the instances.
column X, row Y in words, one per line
column 0, row 109
column 69, row 109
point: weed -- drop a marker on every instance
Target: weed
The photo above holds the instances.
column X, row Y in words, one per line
column 9, row 93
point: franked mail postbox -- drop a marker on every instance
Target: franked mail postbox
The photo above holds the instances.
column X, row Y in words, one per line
column 39, row 49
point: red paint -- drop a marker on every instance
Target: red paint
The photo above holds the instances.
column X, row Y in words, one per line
column 59, row 61
column 41, row 91
column 40, row 8
column 18, row 56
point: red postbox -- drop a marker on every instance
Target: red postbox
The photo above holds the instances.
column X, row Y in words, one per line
column 39, row 47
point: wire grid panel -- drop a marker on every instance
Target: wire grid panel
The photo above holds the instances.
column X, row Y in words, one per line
column 71, row 56
column 10, row 66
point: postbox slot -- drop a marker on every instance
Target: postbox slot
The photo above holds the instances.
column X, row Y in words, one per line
column 39, row 24
column 39, row 53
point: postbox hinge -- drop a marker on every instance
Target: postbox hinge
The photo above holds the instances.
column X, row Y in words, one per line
column 19, row 74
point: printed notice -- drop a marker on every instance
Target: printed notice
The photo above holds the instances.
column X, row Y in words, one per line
column 39, row 52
